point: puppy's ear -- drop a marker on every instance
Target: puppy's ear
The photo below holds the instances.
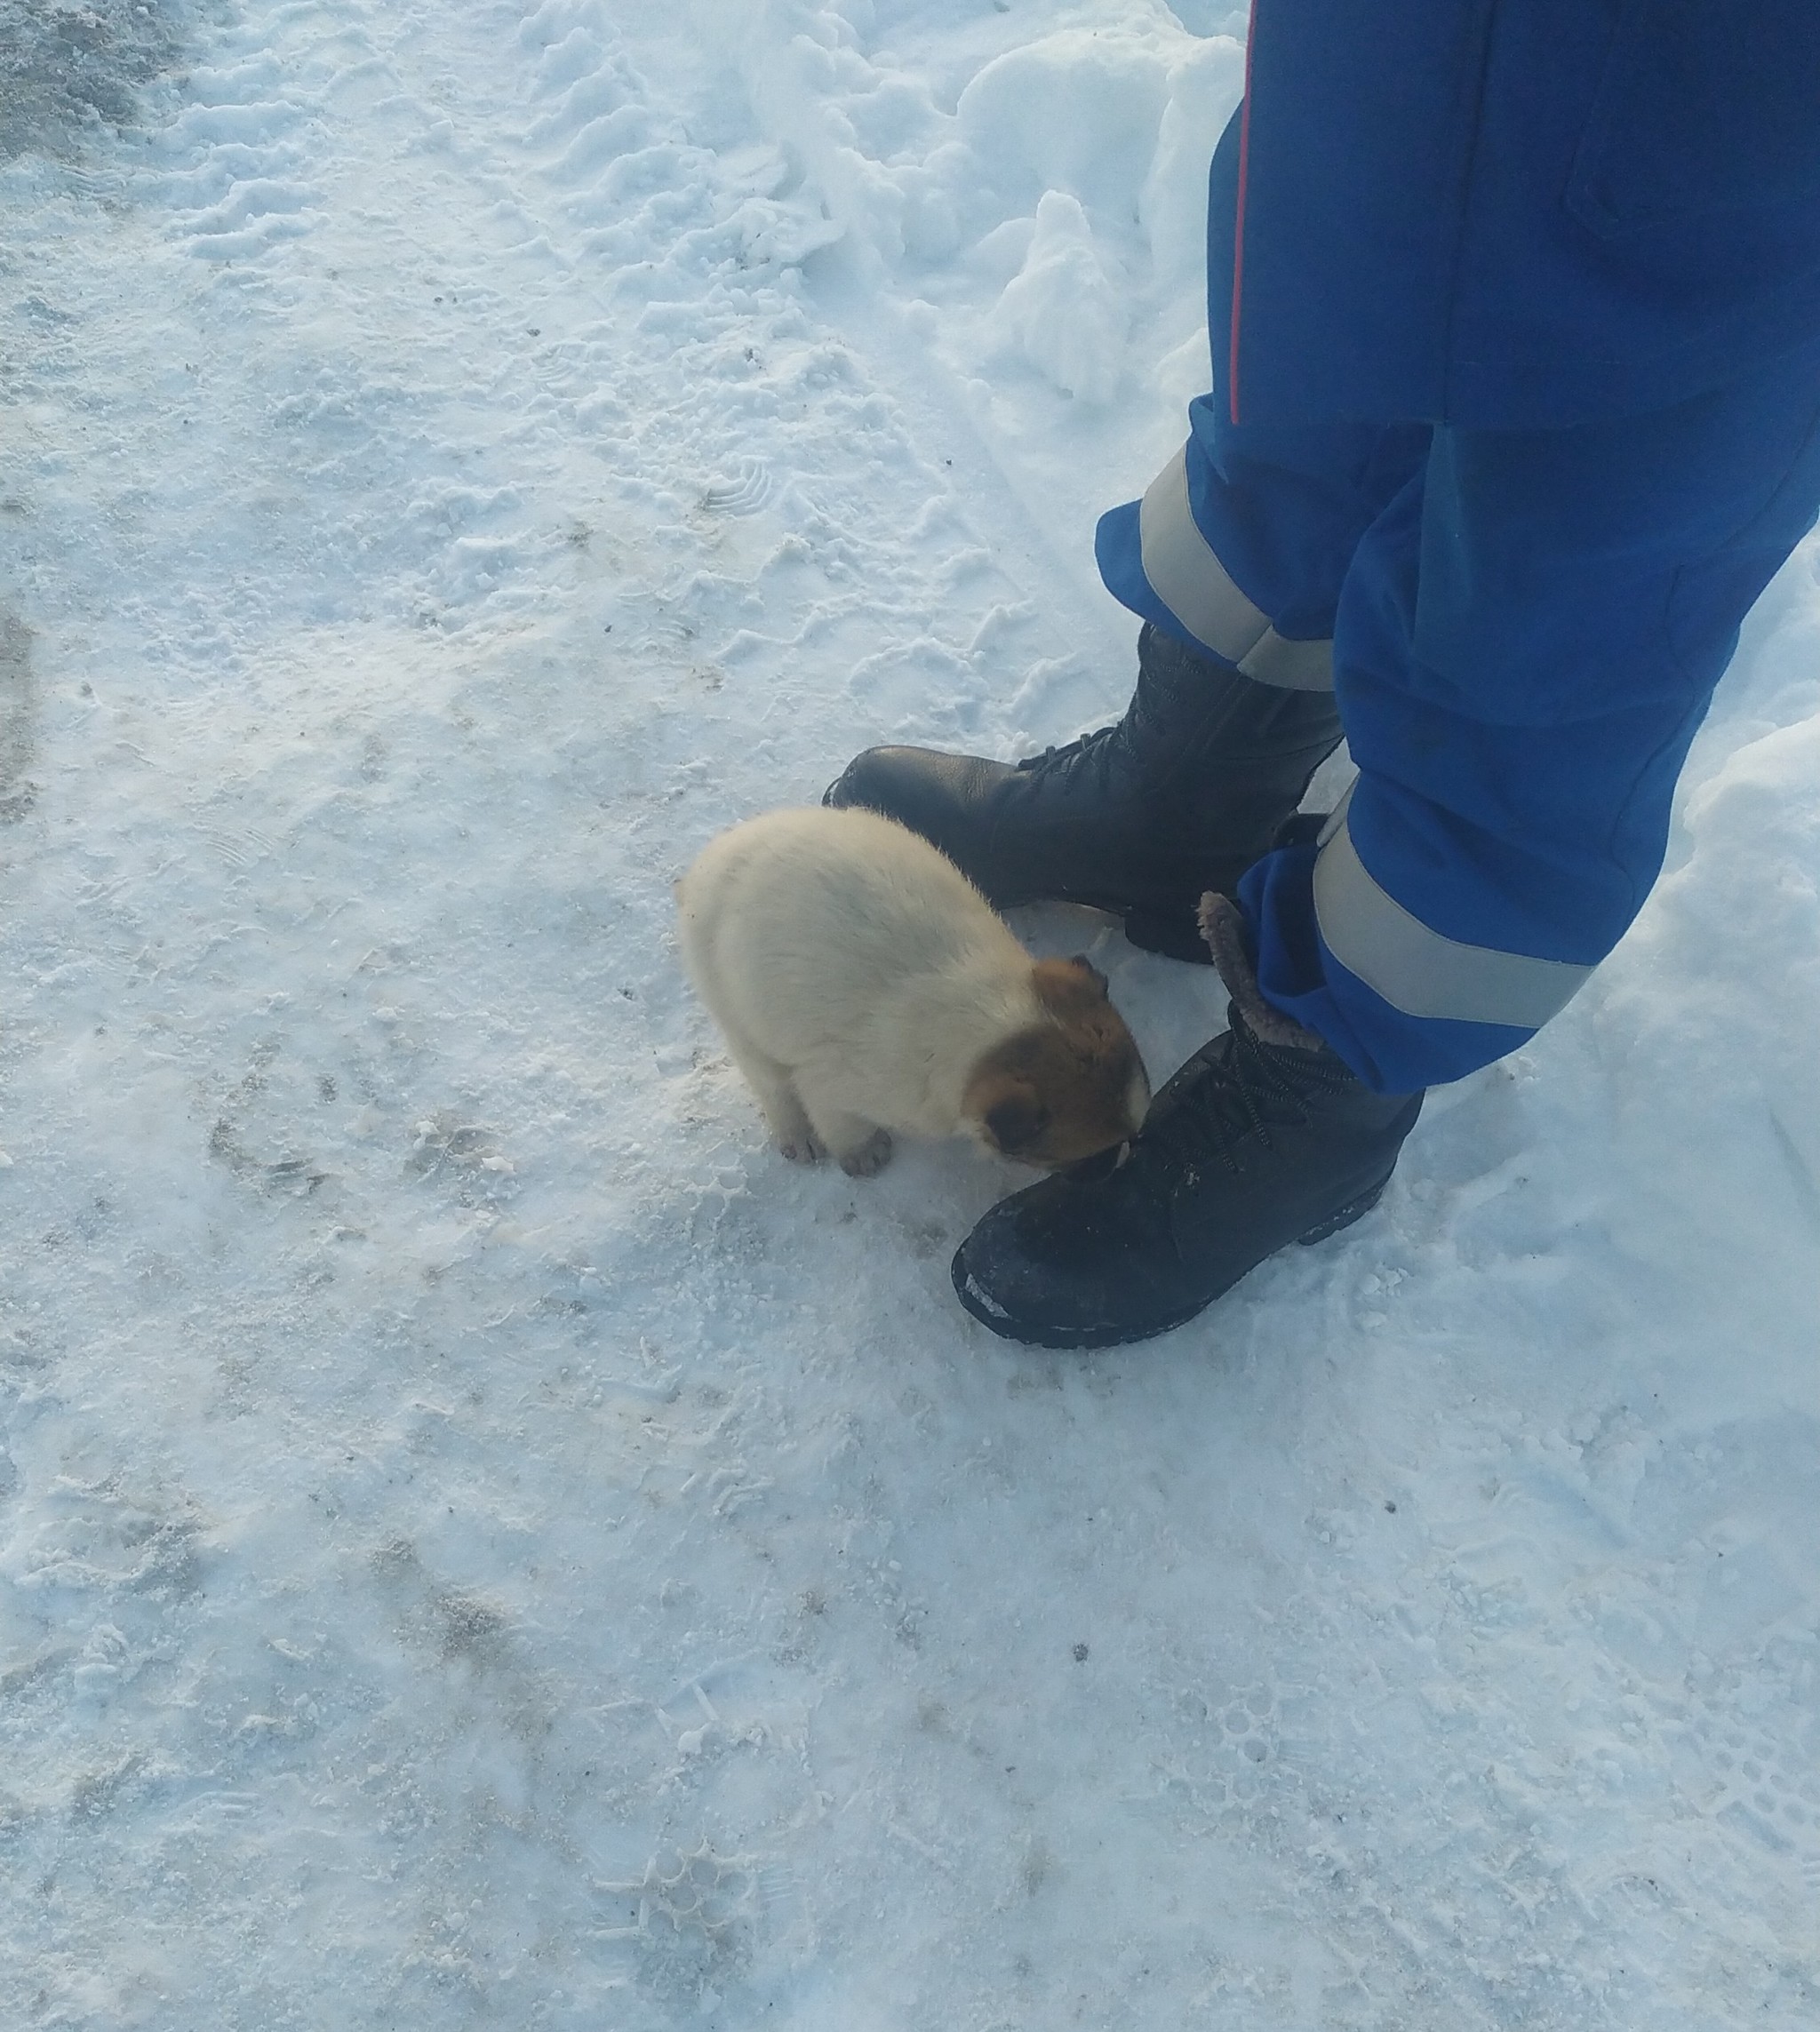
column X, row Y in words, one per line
column 1016, row 1121
column 1092, row 972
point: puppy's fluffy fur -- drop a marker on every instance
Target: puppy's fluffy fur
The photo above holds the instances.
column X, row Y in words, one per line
column 865, row 986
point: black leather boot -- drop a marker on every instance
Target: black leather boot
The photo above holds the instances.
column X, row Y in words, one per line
column 1180, row 797
column 1263, row 1138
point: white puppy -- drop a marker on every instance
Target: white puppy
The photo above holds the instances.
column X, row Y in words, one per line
column 864, row 986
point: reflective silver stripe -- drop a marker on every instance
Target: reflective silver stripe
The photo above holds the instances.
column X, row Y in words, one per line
column 1337, row 818
column 1419, row 971
column 1198, row 590
column 1293, row 667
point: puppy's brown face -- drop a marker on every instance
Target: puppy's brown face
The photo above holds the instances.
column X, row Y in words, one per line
column 1069, row 1085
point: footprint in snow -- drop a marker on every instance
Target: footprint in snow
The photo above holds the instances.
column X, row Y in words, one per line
column 743, row 491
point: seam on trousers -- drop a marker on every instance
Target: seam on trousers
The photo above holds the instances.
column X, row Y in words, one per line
column 1420, row 972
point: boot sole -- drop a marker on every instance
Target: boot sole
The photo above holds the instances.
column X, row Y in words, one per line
column 1032, row 1333
column 1355, row 1210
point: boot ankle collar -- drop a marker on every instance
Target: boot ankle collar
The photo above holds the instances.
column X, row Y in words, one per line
column 1224, row 929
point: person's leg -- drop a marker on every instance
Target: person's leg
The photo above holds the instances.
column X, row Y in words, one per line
column 1235, row 559
column 1526, row 645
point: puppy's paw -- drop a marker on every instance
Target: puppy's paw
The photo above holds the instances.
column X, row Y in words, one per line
column 802, row 1147
column 870, row 1158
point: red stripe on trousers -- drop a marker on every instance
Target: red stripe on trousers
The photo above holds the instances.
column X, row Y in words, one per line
column 1239, row 224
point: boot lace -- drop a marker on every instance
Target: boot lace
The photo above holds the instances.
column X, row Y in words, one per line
column 1245, row 1094
column 1120, row 744
column 1092, row 755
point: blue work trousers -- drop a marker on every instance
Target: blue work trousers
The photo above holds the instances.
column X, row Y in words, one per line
column 1523, row 629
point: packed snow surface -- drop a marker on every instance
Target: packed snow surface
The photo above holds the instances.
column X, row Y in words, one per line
column 485, row 1542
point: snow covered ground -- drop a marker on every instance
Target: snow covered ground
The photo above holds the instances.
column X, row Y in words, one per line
column 483, row 1541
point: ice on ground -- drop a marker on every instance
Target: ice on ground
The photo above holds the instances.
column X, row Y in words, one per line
column 482, row 1540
